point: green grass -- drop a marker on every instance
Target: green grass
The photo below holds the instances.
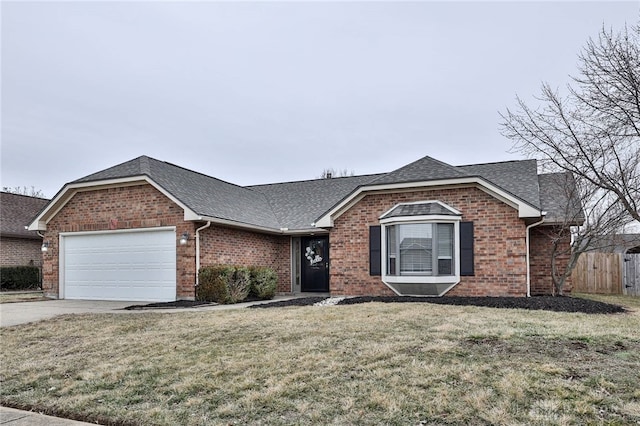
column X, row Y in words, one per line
column 362, row 364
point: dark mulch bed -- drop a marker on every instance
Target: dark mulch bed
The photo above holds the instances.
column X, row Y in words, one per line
column 546, row 303
column 302, row 301
column 169, row 305
column 180, row 304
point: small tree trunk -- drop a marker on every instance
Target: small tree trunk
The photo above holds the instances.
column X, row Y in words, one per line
column 558, row 279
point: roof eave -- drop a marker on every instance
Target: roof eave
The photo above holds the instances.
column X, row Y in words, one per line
column 22, row 236
column 554, row 222
column 240, row 225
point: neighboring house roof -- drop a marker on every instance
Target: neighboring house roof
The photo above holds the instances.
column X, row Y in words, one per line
column 16, row 212
column 617, row 243
column 295, row 206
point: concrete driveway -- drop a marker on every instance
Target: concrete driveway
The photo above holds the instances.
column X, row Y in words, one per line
column 25, row 312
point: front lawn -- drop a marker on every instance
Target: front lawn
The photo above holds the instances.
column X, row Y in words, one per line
column 373, row 363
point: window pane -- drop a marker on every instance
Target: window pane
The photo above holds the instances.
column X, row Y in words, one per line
column 445, row 240
column 445, row 249
column 416, row 248
column 392, row 252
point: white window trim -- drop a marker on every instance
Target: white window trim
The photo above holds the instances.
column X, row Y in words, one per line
column 389, row 280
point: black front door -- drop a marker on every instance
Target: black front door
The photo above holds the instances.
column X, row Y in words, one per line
column 315, row 264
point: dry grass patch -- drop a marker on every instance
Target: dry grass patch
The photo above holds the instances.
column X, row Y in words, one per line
column 21, row 296
column 361, row 364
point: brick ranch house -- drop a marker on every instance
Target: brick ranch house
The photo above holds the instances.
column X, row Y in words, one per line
column 18, row 246
column 142, row 229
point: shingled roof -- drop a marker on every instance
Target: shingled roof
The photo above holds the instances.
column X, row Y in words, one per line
column 559, row 200
column 424, row 169
column 296, row 205
column 519, row 178
column 16, row 212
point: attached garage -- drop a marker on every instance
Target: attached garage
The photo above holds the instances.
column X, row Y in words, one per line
column 137, row 265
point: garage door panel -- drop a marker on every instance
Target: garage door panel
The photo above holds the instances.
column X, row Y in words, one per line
column 121, row 266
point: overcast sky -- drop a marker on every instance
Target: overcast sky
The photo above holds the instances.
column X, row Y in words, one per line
column 269, row 92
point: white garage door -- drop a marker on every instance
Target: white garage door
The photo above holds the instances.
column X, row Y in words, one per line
column 139, row 266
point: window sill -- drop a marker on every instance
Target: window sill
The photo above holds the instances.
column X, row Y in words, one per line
column 421, row 279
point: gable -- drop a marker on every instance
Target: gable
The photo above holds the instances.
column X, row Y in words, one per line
column 203, row 196
column 525, row 210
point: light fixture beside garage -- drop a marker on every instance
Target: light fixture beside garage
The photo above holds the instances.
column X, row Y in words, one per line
column 184, row 239
column 45, row 246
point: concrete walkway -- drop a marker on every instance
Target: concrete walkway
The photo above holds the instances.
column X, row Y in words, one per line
column 12, row 417
column 25, row 312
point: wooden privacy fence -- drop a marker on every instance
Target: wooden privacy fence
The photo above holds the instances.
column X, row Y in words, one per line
column 631, row 279
column 599, row 273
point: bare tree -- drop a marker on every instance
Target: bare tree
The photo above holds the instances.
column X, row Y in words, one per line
column 23, row 190
column 584, row 218
column 593, row 131
column 330, row 172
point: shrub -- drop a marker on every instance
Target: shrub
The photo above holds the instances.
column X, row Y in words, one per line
column 19, row 277
column 213, row 283
column 238, row 285
column 264, row 282
column 233, row 284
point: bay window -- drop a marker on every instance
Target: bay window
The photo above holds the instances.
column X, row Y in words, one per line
column 420, row 250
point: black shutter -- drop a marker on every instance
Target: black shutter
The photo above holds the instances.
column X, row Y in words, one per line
column 466, row 248
column 375, row 255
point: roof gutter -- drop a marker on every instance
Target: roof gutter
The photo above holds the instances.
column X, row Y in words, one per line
column 529, row 251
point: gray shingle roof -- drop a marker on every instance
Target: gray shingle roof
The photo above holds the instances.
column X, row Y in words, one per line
column 424, row 169
column 519, row 178
column 558, row 198
column 17, row 211
column 418, row 209
column 296, row 205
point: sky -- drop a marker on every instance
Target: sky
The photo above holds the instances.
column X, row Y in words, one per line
column 261, row 92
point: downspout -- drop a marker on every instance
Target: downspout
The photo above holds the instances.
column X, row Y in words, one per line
column 529, row 252
column 198, row 249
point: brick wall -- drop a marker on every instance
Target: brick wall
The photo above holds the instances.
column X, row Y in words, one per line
column 20, row 252
column 499, row 238
column 129, row 207
column 238, row 247
column 541, row 252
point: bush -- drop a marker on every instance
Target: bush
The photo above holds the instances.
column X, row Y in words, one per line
column 264, row 282
column 213, row 283
column 19, row 277
column 238, row 285
column 233, row 284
